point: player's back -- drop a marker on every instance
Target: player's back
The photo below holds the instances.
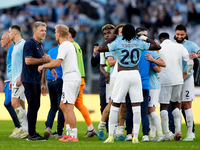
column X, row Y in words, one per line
column 128, row 52
column 173, row 54
column 67, row 53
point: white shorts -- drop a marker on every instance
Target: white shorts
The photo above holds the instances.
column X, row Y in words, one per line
column 153, row 97
column 187, row 93
column 18, row 92
column 70, row 91
column 127, row 81
column 168, row 93
column 113, row 78
column 115, row 71
column 111, row 85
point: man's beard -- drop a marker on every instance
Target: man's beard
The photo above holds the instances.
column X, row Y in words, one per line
column 58, row 41
column 179, row 40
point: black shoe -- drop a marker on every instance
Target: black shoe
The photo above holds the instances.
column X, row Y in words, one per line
column 36, row 137
column 53, row 134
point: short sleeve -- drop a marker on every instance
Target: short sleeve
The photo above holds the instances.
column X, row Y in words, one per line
column 112, row 46
column 154, row 54
column 109, row 54
column 195, row 48
column 144, row 45
column 62, row 52
column 28, row 49
column 185, row 54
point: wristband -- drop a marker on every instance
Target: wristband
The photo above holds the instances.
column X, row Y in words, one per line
column 43, row 60
column 142, row 37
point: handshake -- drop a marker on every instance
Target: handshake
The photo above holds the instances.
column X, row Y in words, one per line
column 46, row 58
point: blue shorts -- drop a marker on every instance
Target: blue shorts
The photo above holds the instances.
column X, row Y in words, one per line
column 8, row 94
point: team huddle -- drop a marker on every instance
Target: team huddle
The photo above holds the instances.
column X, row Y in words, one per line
column 139, row 79
column 137, row 73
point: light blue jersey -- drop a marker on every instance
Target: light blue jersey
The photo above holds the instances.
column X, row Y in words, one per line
column 17, row 59
column 128, row 52
column 8, row 62
column 111, row 54
column 192, row 48
column 154, row 82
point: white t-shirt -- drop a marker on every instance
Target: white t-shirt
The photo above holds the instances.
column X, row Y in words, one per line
column 173, row 54
column 67, row 53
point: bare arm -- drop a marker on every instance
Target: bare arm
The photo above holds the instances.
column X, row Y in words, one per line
column 43, row 87
column 18, row 82
column 53, row 64
column 185, row 75
column 111, row 62
column 193, row 55
column 104, row 47
column 43, row 80
column 35, row 61
column 153, row 45
column 157, row 68
column 159, row 61
column 106, row 74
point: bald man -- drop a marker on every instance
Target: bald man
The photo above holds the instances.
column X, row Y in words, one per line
column 8, row 44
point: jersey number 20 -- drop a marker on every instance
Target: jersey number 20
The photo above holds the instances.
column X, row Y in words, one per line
column 131, row 54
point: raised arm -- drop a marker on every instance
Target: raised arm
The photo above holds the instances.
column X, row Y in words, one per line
column 103, row 47
column 153, row 45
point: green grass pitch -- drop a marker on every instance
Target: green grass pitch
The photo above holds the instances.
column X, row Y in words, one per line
column 93, row 143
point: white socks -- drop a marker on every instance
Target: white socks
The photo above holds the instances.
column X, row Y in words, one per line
column 101, row 125
column 156, row 122
column 90, row 127
column 25, row 121
column 189, row 119
column 136, row 119
column 152, row 132
column 176, row 114
column 165, row 122
column 180, row 118
column 67, row 129
column 73, row 133
column 21, row 114
column 119, row 130
column 113, row 119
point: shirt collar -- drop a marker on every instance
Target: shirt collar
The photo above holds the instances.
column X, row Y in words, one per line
column 35, row 40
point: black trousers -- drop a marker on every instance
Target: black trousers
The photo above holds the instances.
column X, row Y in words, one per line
column 32, row 93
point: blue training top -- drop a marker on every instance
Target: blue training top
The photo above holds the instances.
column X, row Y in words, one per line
column 8, row 62
column 144, row 66
column 53, row 54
